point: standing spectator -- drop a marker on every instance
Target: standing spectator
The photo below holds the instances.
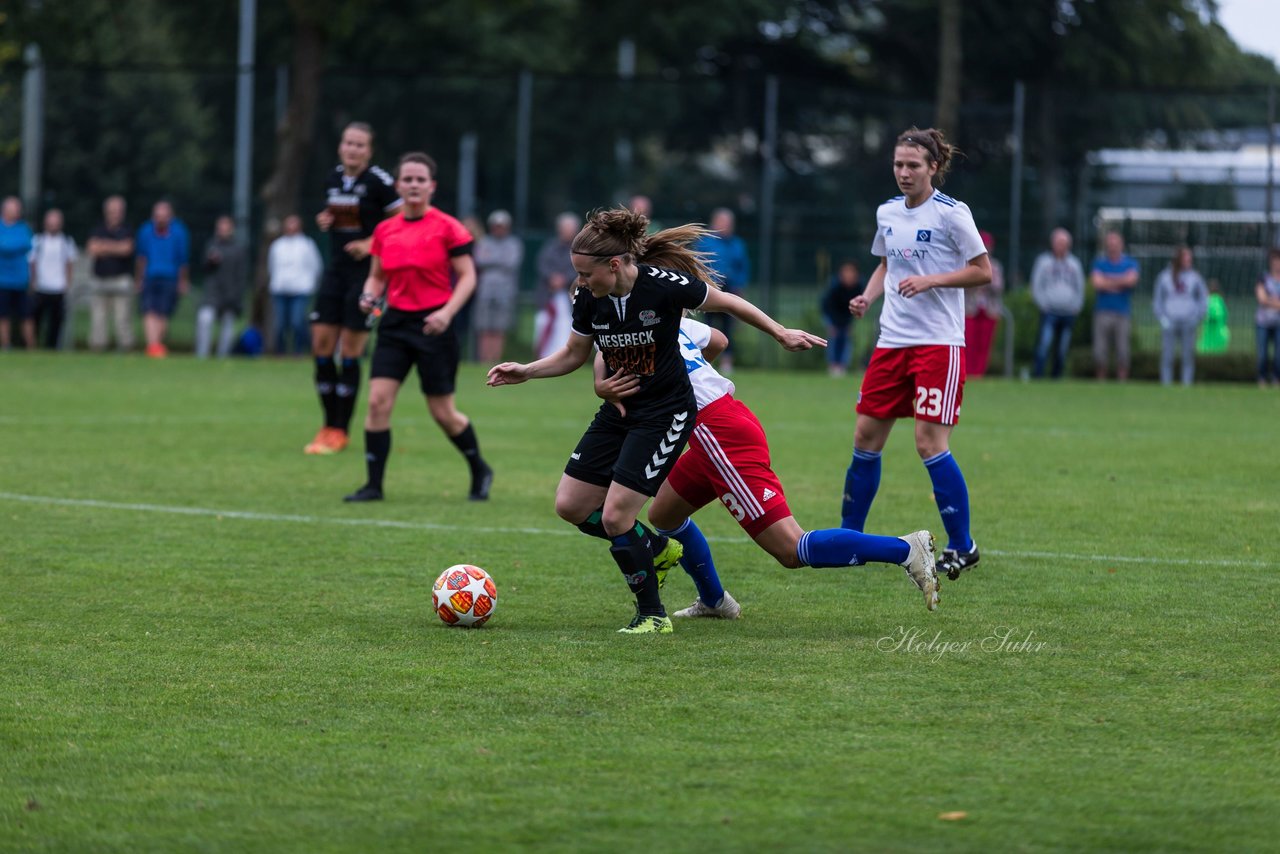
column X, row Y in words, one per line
column 1268, row 321
column 1215, row 334
column 53, row 258
column 1181, row 298
column 1057, row 287
column 294, row 267
column 15, row 272
column 358, row 195
column 226, row 269
column 554, row 319
column 845, row 285
column 727, row 256
column 111, row 285
column 498, row 255
column 1114, row 276
column 643, row 205
column 982, row 314
column 162, row 274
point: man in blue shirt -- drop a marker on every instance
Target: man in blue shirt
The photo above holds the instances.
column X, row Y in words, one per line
column 1114, row 277
column 163, row 250
column 15, row 271
column 727, row 256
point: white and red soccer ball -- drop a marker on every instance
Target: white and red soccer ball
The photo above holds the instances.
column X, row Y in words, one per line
column 464, row 595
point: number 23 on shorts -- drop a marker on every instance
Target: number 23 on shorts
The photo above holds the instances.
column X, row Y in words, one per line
column 928, row 401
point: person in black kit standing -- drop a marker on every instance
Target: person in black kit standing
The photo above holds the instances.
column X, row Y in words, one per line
column 357, row 197
column 632, row 292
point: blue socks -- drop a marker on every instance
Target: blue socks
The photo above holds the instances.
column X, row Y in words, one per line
column 840, row 547
column 861, row 483
column 952, row 496
column 697, row 562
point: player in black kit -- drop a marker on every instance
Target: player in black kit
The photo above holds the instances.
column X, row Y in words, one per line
column 632, row 292
column 358, row 196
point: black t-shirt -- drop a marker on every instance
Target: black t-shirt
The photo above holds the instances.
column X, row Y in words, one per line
column 109, row 266
column 637, row 333
column 357, row 204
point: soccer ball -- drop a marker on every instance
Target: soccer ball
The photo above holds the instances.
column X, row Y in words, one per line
column 464, row 595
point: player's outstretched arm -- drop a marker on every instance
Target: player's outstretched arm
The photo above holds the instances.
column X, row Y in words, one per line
column 566, row 360
column 874, row 290
column 791, row 339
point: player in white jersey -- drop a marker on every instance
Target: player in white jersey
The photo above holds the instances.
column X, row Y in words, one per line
column 728, row 461
column 930, row 249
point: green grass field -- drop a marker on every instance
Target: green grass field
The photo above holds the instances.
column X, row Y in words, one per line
column 203, row 649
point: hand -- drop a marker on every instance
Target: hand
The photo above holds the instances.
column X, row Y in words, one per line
column 368, row 302
column 508, row 373
column 324, row 219
column 798, row 339
column 437, row 322
column 912, row 285
column 357, row 249
column 858, row 306
column 616, row 387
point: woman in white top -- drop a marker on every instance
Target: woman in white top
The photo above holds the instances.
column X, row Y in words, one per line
column 295, row 266
column 929, row 250
column 53, row 257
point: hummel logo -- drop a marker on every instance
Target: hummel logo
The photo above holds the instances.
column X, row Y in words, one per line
column 669, row 274
column 767, row 494
column 599, row 326
column 575, row 456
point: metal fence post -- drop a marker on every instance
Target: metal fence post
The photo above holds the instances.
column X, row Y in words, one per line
column 524, row 134
column 768, row 177
column 1015, row 191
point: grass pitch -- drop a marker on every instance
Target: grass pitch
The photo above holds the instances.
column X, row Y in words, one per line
column 202, row 648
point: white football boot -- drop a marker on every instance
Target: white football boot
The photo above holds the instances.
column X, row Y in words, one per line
column 921, row 567
column 728, row 609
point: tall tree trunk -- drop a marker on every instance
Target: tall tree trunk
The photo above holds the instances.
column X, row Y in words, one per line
column 950, row 62
column 294, row 137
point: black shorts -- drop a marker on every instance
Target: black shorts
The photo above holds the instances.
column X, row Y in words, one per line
column 637, row 452
column 338, row 298
column 402, row 345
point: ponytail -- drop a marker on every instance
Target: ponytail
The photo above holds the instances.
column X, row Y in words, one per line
column 620, row 231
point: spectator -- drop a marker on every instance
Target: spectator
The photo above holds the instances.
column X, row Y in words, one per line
column 111, row 285
column 727, row 256
column 162, row 274
column 15, row 272
column 1057, row 287
column 498, row 255
column 226, row 269
column 982, row 314
column 294, row 266
column 1181, row 298
column 53, row 257
column 1114, row 276
column 555, row 279
column 845, row 285
column 643, row 205
column 1215, row 334
column 1268, row 321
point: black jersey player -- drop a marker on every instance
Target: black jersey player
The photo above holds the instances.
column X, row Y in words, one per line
column 357, row 197
column 632, row 291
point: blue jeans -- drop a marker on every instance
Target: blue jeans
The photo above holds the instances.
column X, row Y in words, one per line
column 1268, row 337
column 289, row 312
column 1053, row 327
column 839, row 346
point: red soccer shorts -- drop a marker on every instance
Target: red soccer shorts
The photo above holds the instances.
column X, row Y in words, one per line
column 728, row 461
column 926, row 382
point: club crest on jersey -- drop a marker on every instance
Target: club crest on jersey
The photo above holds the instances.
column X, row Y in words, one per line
column 923, row 235
column 649, row 318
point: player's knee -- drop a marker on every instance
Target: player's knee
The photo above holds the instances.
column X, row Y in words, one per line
column 571, row 510
column 380, row 406
column 617, row 523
